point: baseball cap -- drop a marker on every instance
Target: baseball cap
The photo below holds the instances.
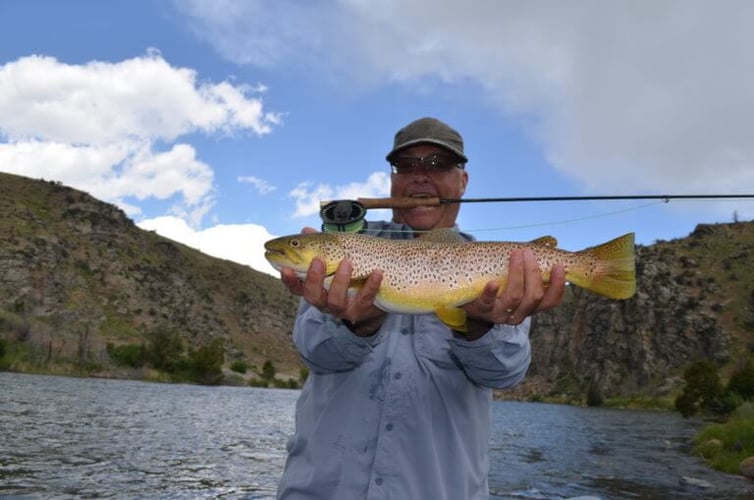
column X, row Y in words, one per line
column 428, row 130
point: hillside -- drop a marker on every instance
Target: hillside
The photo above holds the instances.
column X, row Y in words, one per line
column 695, row 299
column 77, row 274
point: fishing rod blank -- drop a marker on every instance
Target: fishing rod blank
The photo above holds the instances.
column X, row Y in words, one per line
column 434, row 202
column 348, row 215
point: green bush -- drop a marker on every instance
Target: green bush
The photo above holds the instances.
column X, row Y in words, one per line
column 258, row 382
column 594, row 396
column 131, row 355
column 703, row 389
column 208, row 361
column 724, row 446
column 239, row 366
column 268, row 370
column 203, row 365
column 742, row 382
column 164, row 349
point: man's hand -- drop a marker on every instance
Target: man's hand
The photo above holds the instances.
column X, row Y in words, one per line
column 524, row 294
column 358, row 311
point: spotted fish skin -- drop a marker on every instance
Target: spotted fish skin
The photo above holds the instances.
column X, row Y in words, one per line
column 439, row 272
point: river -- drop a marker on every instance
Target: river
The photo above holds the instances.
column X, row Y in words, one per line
column 67, row 437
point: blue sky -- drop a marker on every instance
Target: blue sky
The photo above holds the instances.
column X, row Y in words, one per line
column 221, row 124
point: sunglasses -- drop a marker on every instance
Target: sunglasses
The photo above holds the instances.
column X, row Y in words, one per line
column 434, row 163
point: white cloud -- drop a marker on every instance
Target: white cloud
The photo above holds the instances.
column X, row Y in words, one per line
column 263, row 33
column 242, row 243
column 262, row 186
column 308, row 198
column 622, row 95
column 95, row 127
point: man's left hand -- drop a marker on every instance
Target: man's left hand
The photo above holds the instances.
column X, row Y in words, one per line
column 524, row 294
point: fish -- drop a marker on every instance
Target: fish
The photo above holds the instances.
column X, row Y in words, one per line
column 440, row 271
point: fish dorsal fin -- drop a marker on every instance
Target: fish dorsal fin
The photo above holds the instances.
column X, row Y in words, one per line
column 442, row 236
column 548, row 241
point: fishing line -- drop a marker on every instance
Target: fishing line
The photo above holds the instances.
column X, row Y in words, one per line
column 566, row 221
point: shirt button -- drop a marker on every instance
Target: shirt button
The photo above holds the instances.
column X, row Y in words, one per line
column 398, row 376
column 378, row 481
column 389, row 427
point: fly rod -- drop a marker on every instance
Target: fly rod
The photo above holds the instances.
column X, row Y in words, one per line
column 434, row 202
column 348, row 215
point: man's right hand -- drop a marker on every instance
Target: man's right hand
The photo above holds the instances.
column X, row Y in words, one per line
column 358, row 311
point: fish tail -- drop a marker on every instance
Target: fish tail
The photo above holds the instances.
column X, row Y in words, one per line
column 614, row 273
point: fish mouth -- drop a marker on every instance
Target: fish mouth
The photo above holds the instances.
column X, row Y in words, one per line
column 271, row 253
column 279, row 258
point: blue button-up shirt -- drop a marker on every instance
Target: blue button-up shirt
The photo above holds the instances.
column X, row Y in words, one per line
column 403, row 414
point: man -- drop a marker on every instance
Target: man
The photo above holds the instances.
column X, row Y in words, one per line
column 398, row 406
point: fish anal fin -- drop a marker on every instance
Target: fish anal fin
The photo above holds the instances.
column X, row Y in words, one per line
column 453, row 317
column 548, row 241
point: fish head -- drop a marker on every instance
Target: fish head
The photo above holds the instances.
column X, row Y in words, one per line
column 297, row 252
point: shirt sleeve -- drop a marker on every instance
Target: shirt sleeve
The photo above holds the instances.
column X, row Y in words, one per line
column 326, row 344
column 497, row 360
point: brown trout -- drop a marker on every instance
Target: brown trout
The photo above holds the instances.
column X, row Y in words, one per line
column 440, row 271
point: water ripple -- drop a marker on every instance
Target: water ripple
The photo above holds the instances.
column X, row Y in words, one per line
column 65, row 438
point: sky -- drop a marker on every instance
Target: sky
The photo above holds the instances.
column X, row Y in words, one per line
column 224, row 123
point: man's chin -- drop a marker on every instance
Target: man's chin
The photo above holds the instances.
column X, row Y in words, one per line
column 422, row 218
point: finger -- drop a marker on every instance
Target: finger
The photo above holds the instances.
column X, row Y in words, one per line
column 532, row 289
column 337, row 295
column 313, row 291
column 553, row 295
column 291, row 281
column 533, row 286
column 309, row 230
column 486, row 301
column 514, row 287
column 368, row 292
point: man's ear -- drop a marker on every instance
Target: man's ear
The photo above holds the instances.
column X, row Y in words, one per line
column 463, row 183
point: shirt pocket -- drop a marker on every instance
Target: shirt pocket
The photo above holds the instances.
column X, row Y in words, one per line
column 432, row 341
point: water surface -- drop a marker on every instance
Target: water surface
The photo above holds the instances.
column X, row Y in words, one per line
column 71, row 438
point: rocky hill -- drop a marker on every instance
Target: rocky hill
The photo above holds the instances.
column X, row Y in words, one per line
column 695, row 300
column 77, row 274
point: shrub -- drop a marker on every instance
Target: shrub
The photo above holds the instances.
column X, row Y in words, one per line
column 256, row 382
column 165, row 348
column 268, row 370
column 742, row 382
column 703, row 389
column 131, row 355
column 594, row 396
column 207, row 361
column 239, row 366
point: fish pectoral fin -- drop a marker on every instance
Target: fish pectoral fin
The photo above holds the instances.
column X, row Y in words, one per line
column 355, row 285
column 548, row 241
column 453, row 317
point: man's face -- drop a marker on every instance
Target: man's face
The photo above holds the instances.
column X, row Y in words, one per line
column 432, row 184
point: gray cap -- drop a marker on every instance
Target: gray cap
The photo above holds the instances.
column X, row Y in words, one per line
column 431, row 131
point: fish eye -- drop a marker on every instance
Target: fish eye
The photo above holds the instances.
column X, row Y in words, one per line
column 295, row 243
